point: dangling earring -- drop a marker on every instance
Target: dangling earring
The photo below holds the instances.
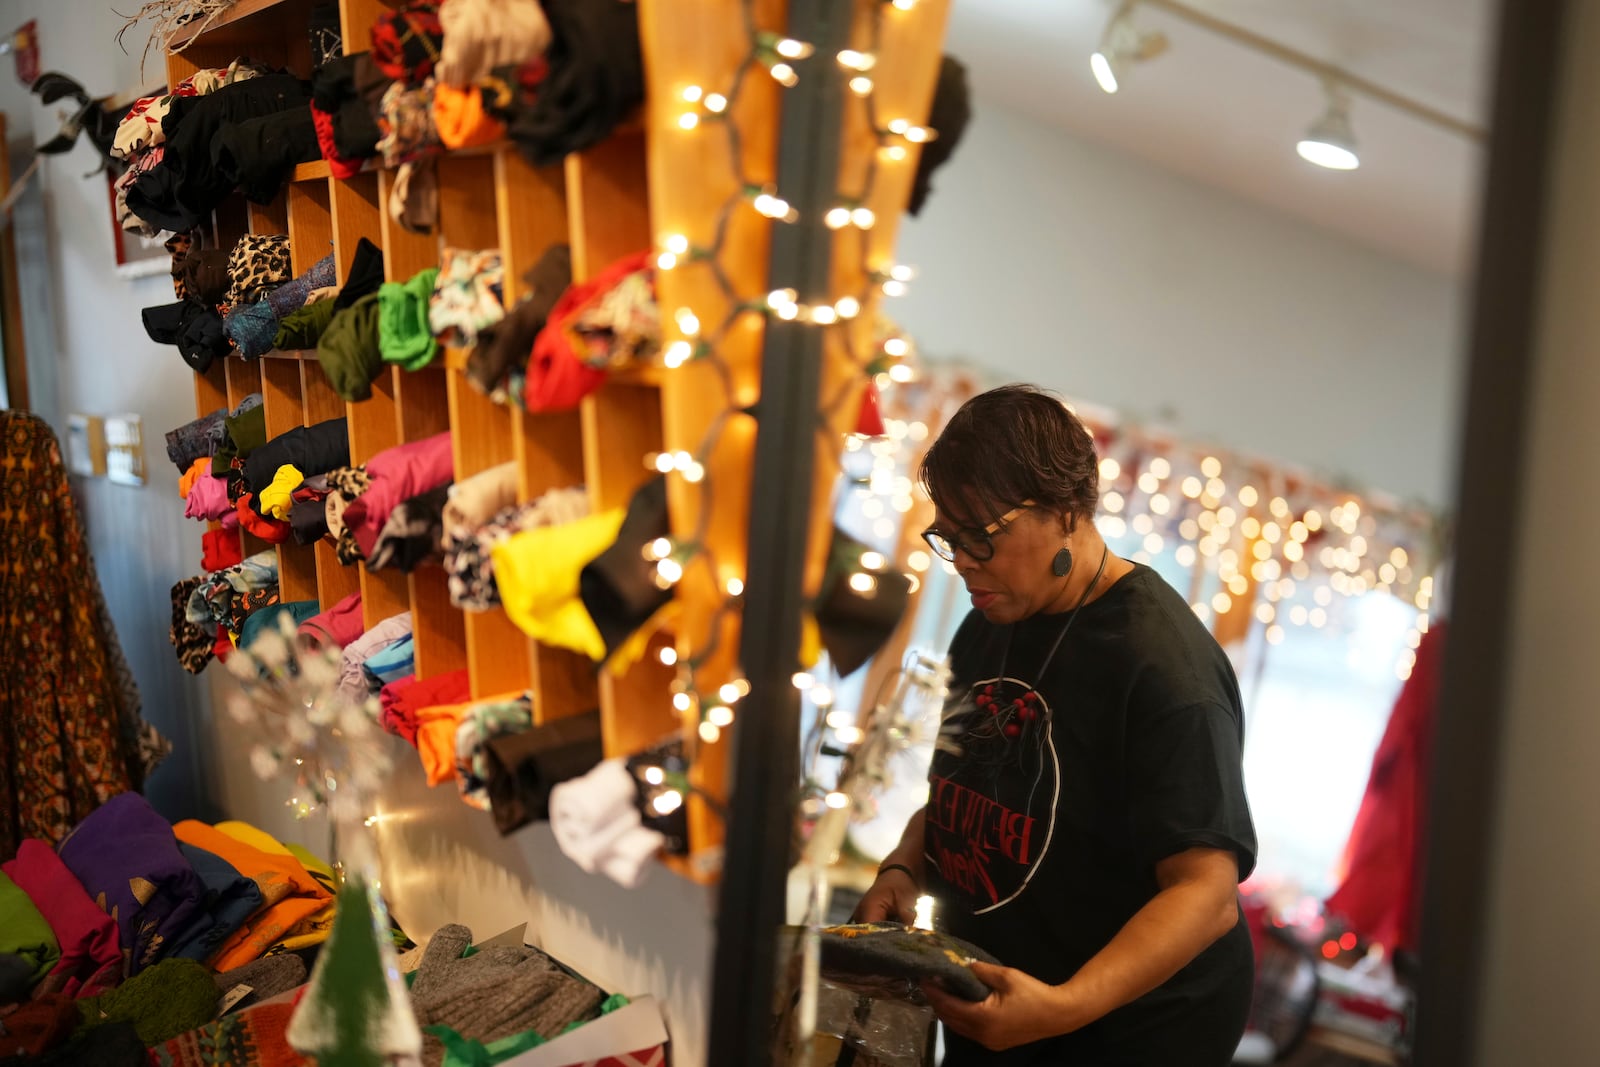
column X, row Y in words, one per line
column 1061, row 566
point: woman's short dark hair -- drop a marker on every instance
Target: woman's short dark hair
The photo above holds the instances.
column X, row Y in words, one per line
column 1007, row 446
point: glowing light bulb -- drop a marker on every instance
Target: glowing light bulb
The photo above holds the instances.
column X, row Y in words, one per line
column 821, row 696
column 692, row 94
column 677, row 354
column 784, row 75
column 735, row 587
column 670, row 570
column 688, row 120
column 694, row 472
column 682, row 701
column 863, row 218
column 894, row 288
column 1248, row 496
column 824, row 315
column 666, row 261
column 850, row 59
column 1160, row 467
column 729, row 693
column 836, row 800
column 668, row 656
column 861, row 85
column 847, row 307
column 901, row 373
column 837, row 218
column 709, row 733
column 1191, row 487
column 789, row 48
column 773, row 207
column 894, row 153
column 897, row 347
column 1112, row 502
column 802, row 681
column 862, row 582
column 716, row 103
column 919, row 561
column 654, row 775
column 668, row 802
column 688, row 322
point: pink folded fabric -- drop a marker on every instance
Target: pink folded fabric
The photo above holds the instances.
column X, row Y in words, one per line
column 91, row 951
column 398, row 474
column 208, row 499
column 336, row 627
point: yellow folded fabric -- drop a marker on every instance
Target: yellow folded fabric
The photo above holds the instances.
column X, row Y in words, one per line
column 537, row 572
column 276, row 499
column 312, row 929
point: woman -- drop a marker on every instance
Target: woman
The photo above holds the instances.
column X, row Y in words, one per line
column 1090, row 827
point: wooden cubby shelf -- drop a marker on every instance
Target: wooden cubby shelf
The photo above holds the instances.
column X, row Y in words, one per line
column 607, row 201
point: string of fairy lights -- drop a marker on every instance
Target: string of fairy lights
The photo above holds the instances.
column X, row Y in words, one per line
column 776, row 55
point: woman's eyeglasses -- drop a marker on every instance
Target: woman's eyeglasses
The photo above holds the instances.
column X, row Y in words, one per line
column 974, row 541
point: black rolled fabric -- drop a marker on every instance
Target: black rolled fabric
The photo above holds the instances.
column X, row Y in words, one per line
column 413, row 533
column 349, row 89
column 196, row 331
column 618, row 587
column 853, row 625
column 205, row 276
column 153, row 196
column 326, row 33
column 311, row 450
column 365, row 277
column 260, row 154
column 596, row 78
column 192, row 125
column 951, row 111
column 505, row 346
column 308, row 521
column 524, row 767
column 899, row 953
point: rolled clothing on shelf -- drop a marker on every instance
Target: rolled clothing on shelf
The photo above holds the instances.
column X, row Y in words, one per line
column 311, row 450
column 403, row 699
column 397, row 474
column 468, row 295
column 337, row 627
column 290, row 613
column 476, row 499
column 504, row 347
column 412, row 534
column 403, row 333
column 258, row 264
column 348, row 349
column 480, row 35
column 596, row 822
column 352, row 679
column 480, row 723
column 537, row 572
column 469, row 558
column 392, row 661
column 523, row 768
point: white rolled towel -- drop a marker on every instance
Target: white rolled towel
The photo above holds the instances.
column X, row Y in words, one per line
column 589, row 813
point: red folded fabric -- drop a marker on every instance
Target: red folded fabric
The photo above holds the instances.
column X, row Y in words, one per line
column 220, row 549
column 336, row 627
column 36, row 1027
column 223, row 648
column 91, row 953
column 269, row 530
column 403, row 698
column 557, row 378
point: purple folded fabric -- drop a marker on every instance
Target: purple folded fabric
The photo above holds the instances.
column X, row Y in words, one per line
column 291, row 296
column 398, row 474
column 127, row 859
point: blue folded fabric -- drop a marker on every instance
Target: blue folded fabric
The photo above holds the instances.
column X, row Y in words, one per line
column 259, row 622
column 392, row 662
column 230, row 900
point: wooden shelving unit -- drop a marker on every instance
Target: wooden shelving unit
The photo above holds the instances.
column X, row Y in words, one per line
column 646, row 179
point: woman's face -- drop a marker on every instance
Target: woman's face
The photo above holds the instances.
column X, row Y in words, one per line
column 1016, row 581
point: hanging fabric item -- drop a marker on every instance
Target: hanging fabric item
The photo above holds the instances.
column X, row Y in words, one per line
column 537, row 572
column 1380, row 894
column 618, row 587
column 948, row 117
column 854, row 623
column 597, row 326
column 480, row 35
column 74, row 737
column 596, row 77
column 503, row 348
column 523, row 768
column 406, row 43
column 596, row 822
column 468, row 296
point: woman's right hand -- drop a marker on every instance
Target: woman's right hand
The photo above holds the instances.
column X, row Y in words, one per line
column 892, row 898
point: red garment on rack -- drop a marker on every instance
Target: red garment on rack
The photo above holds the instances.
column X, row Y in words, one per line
column 1381, row 894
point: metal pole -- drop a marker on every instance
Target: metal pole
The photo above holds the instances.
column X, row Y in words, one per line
column 766, row 735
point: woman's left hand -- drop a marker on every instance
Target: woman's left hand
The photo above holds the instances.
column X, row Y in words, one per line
column 1020, row 1009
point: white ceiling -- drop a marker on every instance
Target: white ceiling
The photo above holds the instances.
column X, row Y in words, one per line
column 1229, row 116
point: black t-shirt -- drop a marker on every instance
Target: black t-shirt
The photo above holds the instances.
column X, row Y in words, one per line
column 1044, row 830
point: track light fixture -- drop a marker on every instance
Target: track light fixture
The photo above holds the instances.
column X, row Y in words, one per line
column 1122, row 45
column 1330, row 142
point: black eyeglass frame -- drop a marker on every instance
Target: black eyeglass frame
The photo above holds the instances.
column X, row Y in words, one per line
column 976, row 542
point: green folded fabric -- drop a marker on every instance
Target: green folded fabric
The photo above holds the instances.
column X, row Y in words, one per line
column 302, row 329
column 246, row 433
column 404, row 336
column 348, row 350
column 24, row 932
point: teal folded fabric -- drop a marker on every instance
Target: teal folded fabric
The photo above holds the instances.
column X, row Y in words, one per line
column 259, row 622
column 404, row 336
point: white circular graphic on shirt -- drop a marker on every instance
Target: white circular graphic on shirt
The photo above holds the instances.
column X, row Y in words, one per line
column 992, row 805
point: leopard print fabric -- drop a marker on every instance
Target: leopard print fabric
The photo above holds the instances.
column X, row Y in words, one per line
column 258, row 264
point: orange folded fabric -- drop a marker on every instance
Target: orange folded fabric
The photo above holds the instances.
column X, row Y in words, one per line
column 436, row 740
column 461, row 119
column 292, row 895
column 200, row 468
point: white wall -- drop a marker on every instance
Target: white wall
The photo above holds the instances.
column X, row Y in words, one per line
column 1053, row 260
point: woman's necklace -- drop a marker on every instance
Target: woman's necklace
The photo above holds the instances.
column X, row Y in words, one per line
column 1014, row 714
